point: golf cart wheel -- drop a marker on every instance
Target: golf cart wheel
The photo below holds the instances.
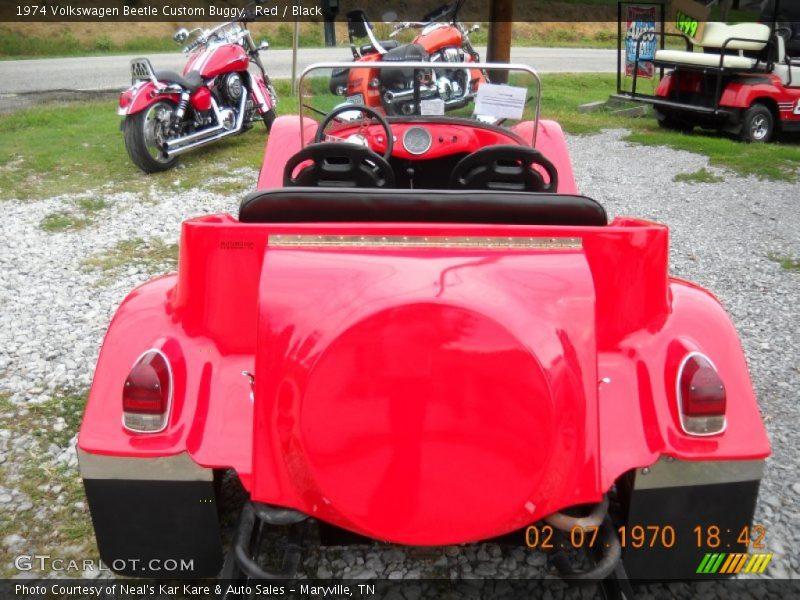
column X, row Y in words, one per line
column 673, row 123
column 758, row 124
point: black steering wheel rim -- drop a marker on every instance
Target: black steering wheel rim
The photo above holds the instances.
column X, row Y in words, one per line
column 364, row 109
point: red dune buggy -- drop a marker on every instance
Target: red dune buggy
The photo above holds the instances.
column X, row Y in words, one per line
column 417, row 330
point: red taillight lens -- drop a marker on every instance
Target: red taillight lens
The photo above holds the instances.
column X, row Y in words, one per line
column 125, row 99
column 701, row 396
column 147, row 393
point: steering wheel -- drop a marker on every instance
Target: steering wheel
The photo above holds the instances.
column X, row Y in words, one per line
column 331, row 116
column 505, row 167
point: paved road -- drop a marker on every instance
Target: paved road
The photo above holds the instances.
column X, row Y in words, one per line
column 112, row 72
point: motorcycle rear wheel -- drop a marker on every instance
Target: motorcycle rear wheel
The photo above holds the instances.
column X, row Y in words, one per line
column 145, row 132
column 268, row 118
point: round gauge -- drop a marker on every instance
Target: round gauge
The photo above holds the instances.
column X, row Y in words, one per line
column 417, row 140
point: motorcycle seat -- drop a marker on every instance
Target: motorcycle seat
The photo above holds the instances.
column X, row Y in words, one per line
column 191, row 81
column 387, row 45
column 406, row 52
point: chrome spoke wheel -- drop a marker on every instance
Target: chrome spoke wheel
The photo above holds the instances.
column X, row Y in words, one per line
column 156, row 129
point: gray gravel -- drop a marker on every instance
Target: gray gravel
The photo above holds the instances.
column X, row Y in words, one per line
column 53, row 314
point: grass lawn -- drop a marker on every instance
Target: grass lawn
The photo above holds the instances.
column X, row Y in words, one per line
column 39, row 40
column 48, row 150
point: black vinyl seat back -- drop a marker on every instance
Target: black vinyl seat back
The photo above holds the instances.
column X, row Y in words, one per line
column 357, row 23
column 337, row 164
column 338, row 205
column 505, row 167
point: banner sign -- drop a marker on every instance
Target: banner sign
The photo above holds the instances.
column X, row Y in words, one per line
column 641, row 24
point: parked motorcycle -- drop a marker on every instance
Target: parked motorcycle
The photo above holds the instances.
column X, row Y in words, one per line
column 442, row 39
column 168, row 114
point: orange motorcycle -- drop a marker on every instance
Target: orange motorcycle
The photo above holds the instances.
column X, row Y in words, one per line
column 442, row 40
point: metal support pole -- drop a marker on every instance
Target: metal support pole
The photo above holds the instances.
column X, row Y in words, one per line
column 295, row 42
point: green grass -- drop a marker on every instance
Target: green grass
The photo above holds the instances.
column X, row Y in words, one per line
column 152, row 255
column 79, row 217
column 699, row 176
column 71, row 148
column 787, row 263
column 779, row 160
column 62, row 221
column 77, row 147
column 16, row 45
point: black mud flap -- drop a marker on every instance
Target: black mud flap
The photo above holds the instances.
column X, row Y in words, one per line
column 672, row 531
column 147, row 528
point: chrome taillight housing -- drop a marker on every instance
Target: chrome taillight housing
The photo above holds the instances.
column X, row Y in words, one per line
column 147, row 393
column 701, row 396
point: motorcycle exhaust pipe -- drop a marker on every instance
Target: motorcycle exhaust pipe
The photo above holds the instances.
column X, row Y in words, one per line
column 392, row 97
column 202, row 142
column 178, row 143
column 183, row 144
column 424, row 92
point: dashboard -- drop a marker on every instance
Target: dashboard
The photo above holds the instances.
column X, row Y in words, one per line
column 425, row 140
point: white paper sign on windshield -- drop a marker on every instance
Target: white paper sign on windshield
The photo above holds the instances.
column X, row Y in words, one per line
column 431, row 107
column 501, row 101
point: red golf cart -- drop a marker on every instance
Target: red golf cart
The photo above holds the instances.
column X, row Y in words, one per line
column 742, row 78
column 416, row 330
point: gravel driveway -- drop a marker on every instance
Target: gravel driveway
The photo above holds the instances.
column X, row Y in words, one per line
column 54, row 313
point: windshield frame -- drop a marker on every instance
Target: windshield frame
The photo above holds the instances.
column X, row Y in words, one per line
column 420, row 65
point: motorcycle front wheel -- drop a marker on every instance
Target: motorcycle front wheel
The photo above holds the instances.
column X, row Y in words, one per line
column 145, row 133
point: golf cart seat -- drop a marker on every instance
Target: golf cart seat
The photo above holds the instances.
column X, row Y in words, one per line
column 751, row 37
column 338, row 205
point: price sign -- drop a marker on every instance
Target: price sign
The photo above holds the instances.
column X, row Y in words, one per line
column 690, row 17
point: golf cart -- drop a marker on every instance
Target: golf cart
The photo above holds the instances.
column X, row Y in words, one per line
column 742, row 78
column 417, row 331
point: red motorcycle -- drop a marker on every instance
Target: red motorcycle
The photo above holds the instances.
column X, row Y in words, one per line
column 442, row 39
column 168, row 114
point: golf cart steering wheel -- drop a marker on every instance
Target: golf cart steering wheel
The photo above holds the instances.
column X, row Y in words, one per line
column 371, row 112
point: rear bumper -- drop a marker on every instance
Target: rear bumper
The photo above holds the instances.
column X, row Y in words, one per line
column 153, row 517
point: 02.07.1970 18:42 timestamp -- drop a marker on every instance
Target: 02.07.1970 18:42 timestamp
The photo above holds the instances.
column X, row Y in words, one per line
column 543, row 537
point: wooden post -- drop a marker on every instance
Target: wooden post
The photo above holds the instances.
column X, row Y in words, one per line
column 501, row 15
column 725, row 6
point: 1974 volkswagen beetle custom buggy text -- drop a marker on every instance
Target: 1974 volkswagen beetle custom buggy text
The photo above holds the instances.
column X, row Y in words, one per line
column 417, row 331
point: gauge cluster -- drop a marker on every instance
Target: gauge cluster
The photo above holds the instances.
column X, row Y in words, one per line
column 417, row 140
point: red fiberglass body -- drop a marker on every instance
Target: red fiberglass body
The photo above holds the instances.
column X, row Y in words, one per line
column 422, row 382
